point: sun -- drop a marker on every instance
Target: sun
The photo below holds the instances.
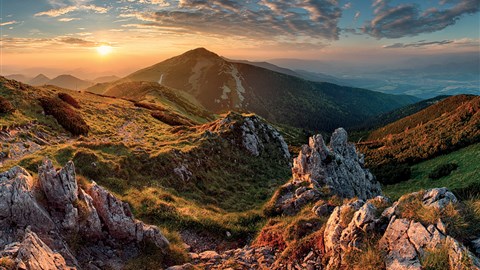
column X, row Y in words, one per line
column 104, row 50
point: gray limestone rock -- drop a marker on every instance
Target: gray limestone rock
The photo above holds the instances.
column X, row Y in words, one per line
column 339, row 167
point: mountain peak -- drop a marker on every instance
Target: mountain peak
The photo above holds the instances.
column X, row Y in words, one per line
column 201, row 52
column 41, row 75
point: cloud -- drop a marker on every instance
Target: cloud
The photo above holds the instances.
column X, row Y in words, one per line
column 38, row 44
column 262, row 18
column 78, row 42
column 68, row 19
column 57, row 12
column 417, row 44
column 8, row 23
column 352, row 31
column 409, row 20
column 65, row 10
column 456, row 43
column 357, row 15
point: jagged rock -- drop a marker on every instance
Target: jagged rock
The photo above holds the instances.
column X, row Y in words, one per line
column 33, row 254
column 66, row 198
column 119, row 219
column 438, row 197
column 18, row 204
column 89, row 221
column 253, row 134
column 322, row 209
column 209, row 255
column 58, row 213
column 401, row 254
column 183, row 173
column 339, row 219
column 60, row 187
column 364, row 221
column 339, row 167
column 459, row 258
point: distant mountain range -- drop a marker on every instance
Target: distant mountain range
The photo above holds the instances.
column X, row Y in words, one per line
column 280, row 95
column 65, row 81
column 420, row 76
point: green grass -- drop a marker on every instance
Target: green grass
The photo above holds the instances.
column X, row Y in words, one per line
column 467, row 174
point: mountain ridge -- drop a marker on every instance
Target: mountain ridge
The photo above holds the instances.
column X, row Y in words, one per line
column 221, row 85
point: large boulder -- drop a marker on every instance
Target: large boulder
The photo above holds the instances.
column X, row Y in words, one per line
column 60, row 187
column 18, row 203
column 119, row 220
column 251, row 133
column 33, row 254
column 338, row 168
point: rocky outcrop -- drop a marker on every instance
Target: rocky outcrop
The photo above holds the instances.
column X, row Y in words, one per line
column 321, row 171
column 33, row 253
column 118, row 219
column 374, row 227
column 36, row 219
column 251, row 133
column 18, row 204
column 338, row 168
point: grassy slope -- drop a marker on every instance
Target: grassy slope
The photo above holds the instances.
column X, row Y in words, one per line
column 134, row 155
column 468, row 173
column 429, row 113
column 441, row 128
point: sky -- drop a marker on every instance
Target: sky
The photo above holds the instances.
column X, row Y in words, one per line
column 58, row 35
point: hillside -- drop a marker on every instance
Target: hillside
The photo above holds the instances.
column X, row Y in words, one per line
column 190, row 177
column 70, row 82
column 106, row 79
column 18, row 77
column 214, row 190
column 463, row 181
column 439, row 129
column 431, row 112
column 40, row 79
column 385, row 119
column 220, row 85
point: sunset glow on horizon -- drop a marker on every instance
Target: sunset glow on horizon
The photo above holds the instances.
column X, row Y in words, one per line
column 64, row 33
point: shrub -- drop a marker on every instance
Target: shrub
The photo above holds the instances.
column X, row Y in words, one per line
column 392, row 174
column 170, row 119
column 69, row 99
column 69, row 119
column 442, row 170
column 7, row 263
column 370, row 258
column 6, row 106
column 436, row 258
column 411, row 207
column 272, row 236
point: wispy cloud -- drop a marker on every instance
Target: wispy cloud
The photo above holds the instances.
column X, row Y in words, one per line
column 8, row 23
column 77, row 41
column 46, row 43
column 316, row 19
column 357, row 15
column 68, row 19
column 65, row 10
column 409, row 20
column 465, row 42
column 417, row 44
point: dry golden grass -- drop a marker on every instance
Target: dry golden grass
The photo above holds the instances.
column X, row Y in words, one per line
column 7, row 263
